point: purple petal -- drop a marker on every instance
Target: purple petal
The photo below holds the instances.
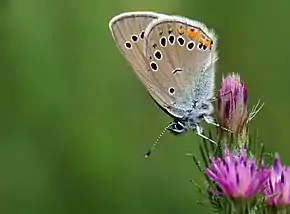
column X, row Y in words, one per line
column 237, row 176
column 245, row 95
column 276, row 164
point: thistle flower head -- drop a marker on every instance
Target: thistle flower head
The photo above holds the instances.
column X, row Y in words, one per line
column 232, row 104
column 278, row 184
column 237, row 176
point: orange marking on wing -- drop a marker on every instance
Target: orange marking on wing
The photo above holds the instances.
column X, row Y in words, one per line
column 181, row 31
column 206, row 43
column 201, row 39
column 192, row 33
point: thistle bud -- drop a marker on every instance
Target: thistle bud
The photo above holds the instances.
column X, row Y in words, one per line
column 232, row 104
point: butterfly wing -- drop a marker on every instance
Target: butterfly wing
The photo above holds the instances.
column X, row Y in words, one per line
column 181, row 54
column 128, row 32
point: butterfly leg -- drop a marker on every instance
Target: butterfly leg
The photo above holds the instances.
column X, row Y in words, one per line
column 210, row 120
column 199, row 131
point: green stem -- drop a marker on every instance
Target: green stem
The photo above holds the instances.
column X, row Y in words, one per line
column 241, row 207
column 278, row 210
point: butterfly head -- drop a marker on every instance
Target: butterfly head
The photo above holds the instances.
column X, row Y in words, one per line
column 192, row 117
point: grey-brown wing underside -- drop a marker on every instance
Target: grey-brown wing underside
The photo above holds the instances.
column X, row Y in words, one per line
column 181, row 54
column 128, row 31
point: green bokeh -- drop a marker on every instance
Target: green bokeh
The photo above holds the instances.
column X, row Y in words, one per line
column 76, row 122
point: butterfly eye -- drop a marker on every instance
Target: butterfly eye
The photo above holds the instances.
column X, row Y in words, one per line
column 128, row 45
column 177, row 128
column 154, row 66
column 190, row 45
column 171, row 91
column 134, row 38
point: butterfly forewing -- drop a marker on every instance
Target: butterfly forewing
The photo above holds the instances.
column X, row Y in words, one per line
column 180, row 52
column 128, row 32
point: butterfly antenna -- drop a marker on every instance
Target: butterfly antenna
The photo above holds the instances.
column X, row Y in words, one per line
column 157, row 140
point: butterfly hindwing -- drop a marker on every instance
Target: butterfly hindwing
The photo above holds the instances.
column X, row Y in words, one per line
column 181, row 54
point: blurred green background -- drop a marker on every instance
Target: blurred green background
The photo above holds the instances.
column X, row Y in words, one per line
column 75, row 122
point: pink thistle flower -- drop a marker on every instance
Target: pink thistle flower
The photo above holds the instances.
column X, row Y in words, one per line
column 278, row 184
column 237, row 176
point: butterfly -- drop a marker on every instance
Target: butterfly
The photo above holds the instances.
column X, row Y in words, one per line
column 174, row 58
